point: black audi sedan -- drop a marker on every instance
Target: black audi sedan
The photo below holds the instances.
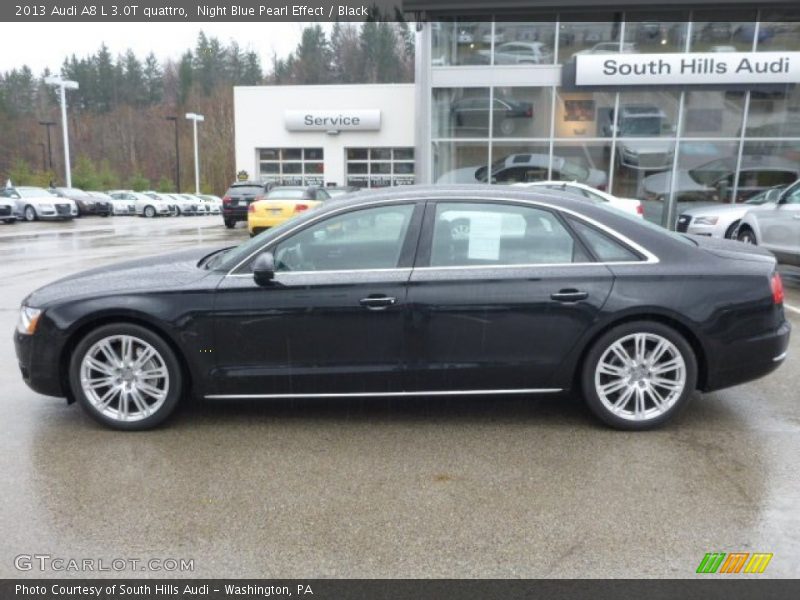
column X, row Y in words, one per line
column 416, row 291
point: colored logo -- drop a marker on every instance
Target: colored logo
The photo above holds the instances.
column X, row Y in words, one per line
column 734, row 562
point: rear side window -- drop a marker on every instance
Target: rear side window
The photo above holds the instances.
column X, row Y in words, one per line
column 603, row 246
column 476, row 234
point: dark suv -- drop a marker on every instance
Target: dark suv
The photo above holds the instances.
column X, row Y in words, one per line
column 238, row 198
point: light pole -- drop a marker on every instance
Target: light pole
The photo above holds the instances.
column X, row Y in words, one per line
column 64, row 85
column 194, row 117
column 48, row 125
column 177, row 155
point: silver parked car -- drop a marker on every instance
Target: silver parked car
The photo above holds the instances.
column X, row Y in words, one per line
column 777, row 229
column 722, row 220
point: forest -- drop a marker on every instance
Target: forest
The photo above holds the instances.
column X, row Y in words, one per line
column 117, row 119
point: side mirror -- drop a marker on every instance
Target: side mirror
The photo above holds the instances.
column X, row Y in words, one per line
column 264, row 268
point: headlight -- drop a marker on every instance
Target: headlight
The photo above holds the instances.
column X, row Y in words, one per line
column 706, row 220
column 28, row 319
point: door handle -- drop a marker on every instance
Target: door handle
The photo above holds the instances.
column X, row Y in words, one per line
column 377, row 302
column 569, row 295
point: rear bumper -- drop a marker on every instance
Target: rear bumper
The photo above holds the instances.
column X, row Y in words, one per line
column 749, row 359
column 237, row 213
column 260, row 223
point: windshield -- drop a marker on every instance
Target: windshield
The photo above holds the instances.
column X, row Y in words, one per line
column 641, row 126
column 710, row 172
column 770, row 195
column 570, row 170
column 33, row 192
column 238, row 190
column 73, row 192
column 287, row 194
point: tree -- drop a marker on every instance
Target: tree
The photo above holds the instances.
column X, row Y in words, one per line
column 313, row 57
column 153, row 80
column 138, row 182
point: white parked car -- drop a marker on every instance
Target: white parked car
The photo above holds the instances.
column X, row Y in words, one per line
column 8, row 213
column 722, row 220
column 34, row 203
column 179, row 205
column 777, row 227
column 521, row 53
column 144, row 205
column 213, row 203
column 119, row 207
column 581, row 190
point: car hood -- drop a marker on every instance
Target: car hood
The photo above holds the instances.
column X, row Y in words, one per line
column 732, row 249
column 646, row 146
column 659, row 183
column 155, row 273
column 725, row 209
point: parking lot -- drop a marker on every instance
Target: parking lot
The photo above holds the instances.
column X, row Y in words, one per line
column 456, row 487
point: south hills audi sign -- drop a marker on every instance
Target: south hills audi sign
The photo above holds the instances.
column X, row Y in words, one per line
column 696, row 68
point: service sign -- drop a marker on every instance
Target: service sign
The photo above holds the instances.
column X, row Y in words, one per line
column 332, row 120
column 696, row 68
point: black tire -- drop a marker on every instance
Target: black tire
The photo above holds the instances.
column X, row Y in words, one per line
column 590, row 392
column 29, row 214
column 230, row 223
column 731, row 229
column 149, row 212
column 174, row 393
column 747, row 236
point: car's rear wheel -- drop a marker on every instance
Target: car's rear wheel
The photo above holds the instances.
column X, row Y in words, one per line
column 149, row 212
column 125, row 376
column 746, row 236
column 639, row 375
column 30, row 213
column 230, row 223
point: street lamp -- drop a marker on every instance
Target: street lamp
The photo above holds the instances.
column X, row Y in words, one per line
column 48, row 125
column 64, row 85
column 177, row 155
column 194, row 117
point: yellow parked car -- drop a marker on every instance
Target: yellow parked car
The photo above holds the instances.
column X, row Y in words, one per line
column 281, row 204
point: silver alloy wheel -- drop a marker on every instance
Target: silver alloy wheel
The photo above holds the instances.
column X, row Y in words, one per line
column 746, row 237
column 149, row 212
column 640, row 376
column 30, row 213
column 124, row 378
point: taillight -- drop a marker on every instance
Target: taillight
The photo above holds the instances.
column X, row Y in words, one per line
column 300, row 207
column 602, row 188
column 640, row 209
column 777, row 288
column 251, row 208
column 227, row 200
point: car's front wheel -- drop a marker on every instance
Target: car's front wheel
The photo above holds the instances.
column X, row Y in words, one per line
column 125, row 376
column 639, row 375
column 30, row 213
column 149, row 212
column 746, row 235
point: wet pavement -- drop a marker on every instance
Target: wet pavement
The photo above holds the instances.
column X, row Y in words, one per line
column 457, row 487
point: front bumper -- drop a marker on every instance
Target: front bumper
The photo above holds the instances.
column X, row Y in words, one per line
column 38, row 357
column 749, row 359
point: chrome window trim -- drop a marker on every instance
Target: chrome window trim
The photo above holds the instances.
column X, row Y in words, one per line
column 387, row 394
column 650, row 258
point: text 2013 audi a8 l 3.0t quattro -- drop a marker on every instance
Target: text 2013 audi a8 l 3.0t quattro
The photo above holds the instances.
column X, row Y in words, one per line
column 419, row 291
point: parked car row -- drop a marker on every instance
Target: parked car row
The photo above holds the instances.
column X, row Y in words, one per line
column 61, row 203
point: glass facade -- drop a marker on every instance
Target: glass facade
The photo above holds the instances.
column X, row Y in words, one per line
column 291, row 166
column 673, row 147
column 379, row 167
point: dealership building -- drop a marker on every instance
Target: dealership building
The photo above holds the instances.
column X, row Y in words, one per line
column 679, row 106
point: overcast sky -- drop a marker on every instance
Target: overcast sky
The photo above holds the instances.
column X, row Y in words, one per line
column 41, row 45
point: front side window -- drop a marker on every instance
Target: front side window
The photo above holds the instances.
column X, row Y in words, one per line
column 371, row 238
column 475, row 234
